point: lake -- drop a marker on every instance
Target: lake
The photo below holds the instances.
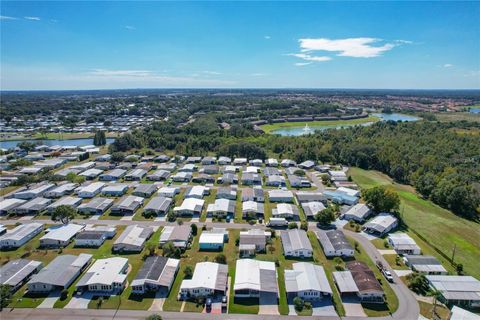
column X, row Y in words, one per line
column 474, row 110
column 300, row 131
column 73, row 142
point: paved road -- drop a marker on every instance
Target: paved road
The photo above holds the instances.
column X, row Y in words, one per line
column 407, row 304
column 317, row 182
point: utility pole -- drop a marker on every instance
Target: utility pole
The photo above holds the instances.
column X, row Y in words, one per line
column 453, row 253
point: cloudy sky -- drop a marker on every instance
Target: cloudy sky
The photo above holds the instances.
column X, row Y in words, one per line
column 95, row 45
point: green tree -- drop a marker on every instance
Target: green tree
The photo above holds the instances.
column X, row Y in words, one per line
column 418, row 283
column 298, row 303
column 118, row 156
column 64, row 214
column 169, row 250
column 194, row 228
column 325, row 217
column 382, row 199
column 292, row 225
column 99, row 139
column 221, row 258
column 5, row 295
column 188, row 272
column 154, row 317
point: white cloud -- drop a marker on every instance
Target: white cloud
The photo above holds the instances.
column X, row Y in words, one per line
column 258, row 74
column 130, row 28
column 350, row 47
column 447, row 65
column 213, row 73
column 267, row 37
column 301, row 64
column 32, row 18
column 7, row 18
column 121, row 73
column 309, row 57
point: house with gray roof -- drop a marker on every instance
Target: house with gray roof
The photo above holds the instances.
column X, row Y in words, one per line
column 135, row 175
column 307, row 281
column 424, row 264
column 280, row 196
column 60, row 273
column 296, row 244
column 106, row 276
column 159, row 175
column 59, row 236
column 34, row 192
column 91, row 174
column 156, row 275
column 221, row 208
column 145, row 190
column 334, row 243
column 20, row 235
column 33, row 207
column 115, row 189
column 68, row 201
column 112, row 175
column 7, row 205
column 381, row 224
column 180, row 236
column 132, row 239
column 226, row 193
column 158, row 205
column 96, row 206
column 311, row 209
column 17, row 272
column 252, row 241
column 209, row 279
column 458, row 290
column 61, row 190
column 127, row 205
column 358, row 213
column 254, row 278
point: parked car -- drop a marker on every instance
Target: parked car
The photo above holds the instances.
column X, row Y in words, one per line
column 388, row 275
column 224, row 304
column 208, row 305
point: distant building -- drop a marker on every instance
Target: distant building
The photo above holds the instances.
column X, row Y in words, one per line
column 424, row 264
column 95, row 206
column 145, row 190
column 462, row 291
column 402, row 243
column 158, row 206
column 280, row 196
column 127, row 205
column 180, row 236
column 358, row 213
column 381, row 224
column 189, row 207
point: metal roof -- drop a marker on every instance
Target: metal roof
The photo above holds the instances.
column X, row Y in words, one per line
column 209, row 275
column 255, row 275
column 295, row 239
column 15, row 271
column 306, row 276
column 62, row 269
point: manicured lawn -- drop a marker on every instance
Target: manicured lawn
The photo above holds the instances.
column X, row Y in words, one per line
column 391, row 261
column 426, row 310
column 208, row 199
column 22, row 300
column 7, row 190
column 270, row 127
column 441, row 228
column 377, row 310
column 380, row 244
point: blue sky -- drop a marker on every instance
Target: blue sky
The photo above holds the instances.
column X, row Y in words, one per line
column 101, row 45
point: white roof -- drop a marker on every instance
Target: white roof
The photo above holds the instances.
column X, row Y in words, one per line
column 306, row 276
column 280, row 194
column 105, row 271
column 92, row 187
column 345, row 282
column 349, row 191
column 381, row 222
column 208, row 237
column 11, row 203
column 21, row 231
column 248, row 274
column 191, row 204
column 196, row 191
column 63, row 232
column 462, row 314
column 359, row 210
column 205, row 276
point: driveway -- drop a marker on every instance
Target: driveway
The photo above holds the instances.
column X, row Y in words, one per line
column 353, row 307
column 323, row 307
column 80, row 301
column 268, row 303
column 158, row 301
column 49, row 301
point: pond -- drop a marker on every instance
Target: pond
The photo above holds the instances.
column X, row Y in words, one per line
column 474, row 110
column 71, row 142
column 303, row 130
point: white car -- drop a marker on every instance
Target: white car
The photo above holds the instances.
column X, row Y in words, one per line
column 388, row 275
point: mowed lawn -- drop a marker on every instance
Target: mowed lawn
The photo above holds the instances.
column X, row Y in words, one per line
column 274, row 126
column 441, row 228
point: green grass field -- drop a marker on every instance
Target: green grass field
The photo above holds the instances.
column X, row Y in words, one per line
column 270, row 127
column 457, row 116
column 441, row 228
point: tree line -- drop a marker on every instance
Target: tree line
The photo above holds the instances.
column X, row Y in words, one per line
column 441, row 164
